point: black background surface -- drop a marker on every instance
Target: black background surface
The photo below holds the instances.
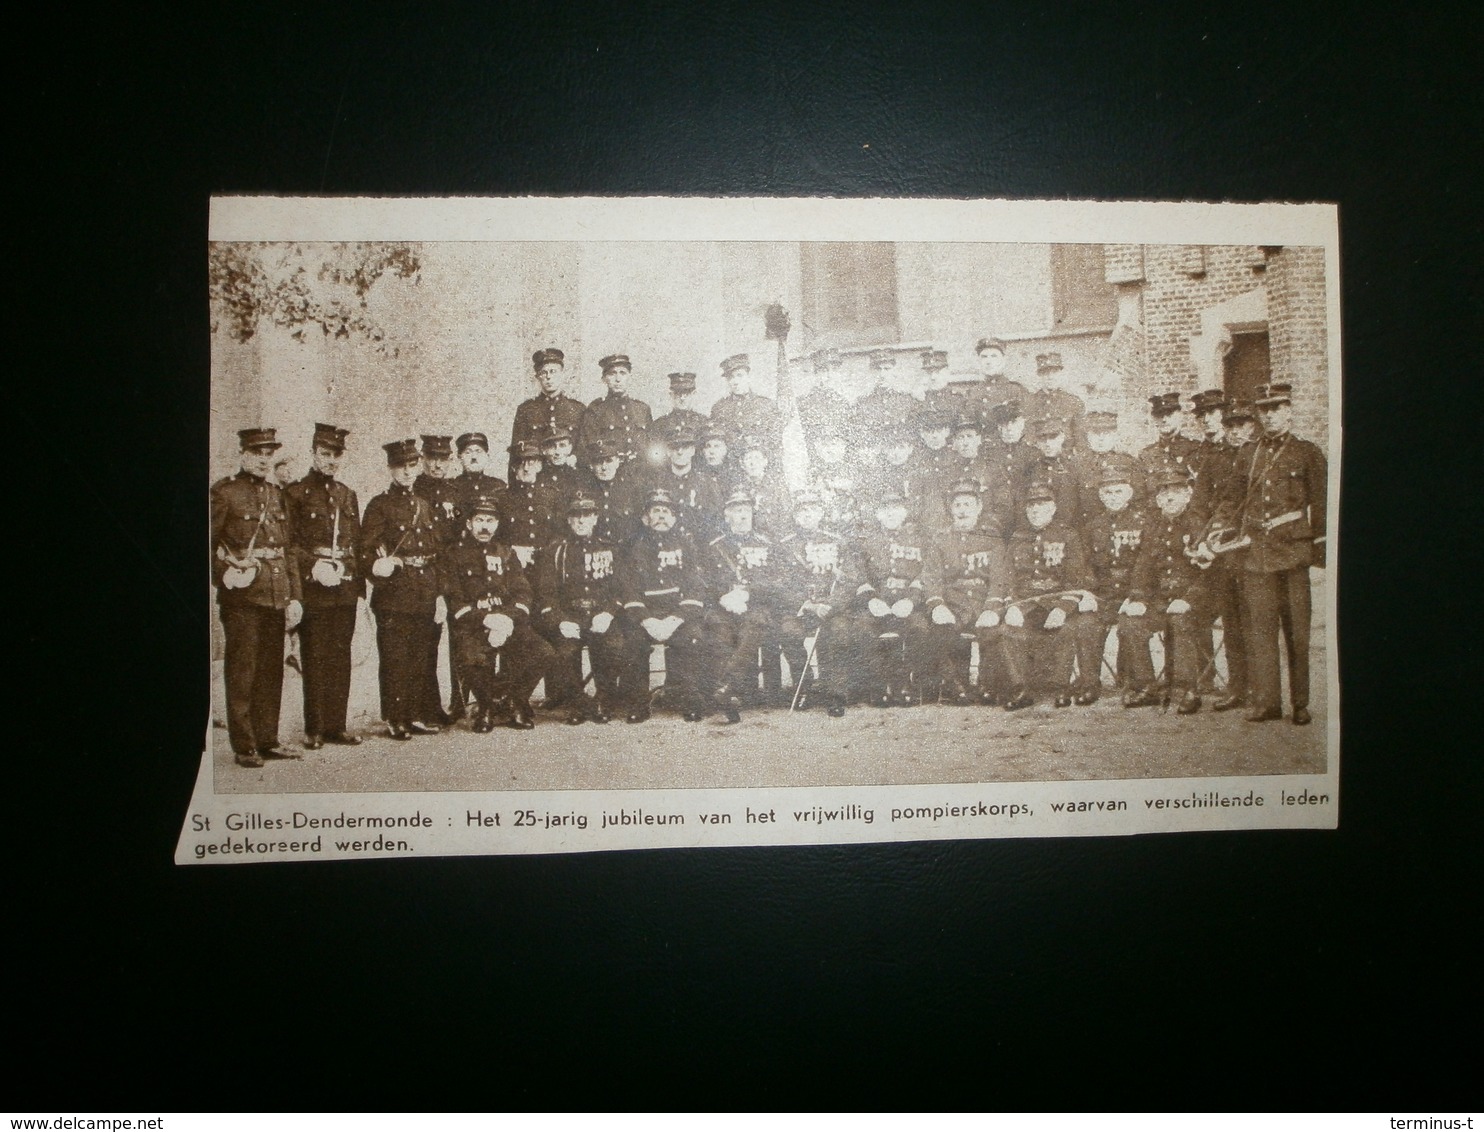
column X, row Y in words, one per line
column 1213, row 970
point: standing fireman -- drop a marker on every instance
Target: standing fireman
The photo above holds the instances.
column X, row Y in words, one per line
column 399, row 546
column 326, row 522
column 1278, row 489
column 258, row 595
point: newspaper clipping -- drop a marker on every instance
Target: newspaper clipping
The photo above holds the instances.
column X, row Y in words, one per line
column 562, row 525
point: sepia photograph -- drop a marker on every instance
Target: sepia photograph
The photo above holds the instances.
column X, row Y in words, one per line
column 522, row 500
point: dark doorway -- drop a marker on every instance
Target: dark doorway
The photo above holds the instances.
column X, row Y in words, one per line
column 1246, row 365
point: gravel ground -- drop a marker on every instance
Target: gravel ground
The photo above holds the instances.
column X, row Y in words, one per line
column 933, row 744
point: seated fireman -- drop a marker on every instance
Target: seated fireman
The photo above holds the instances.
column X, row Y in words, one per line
column 489, row 605
column 660, row 585
column 1167, row 595
column 578, row 593
column 742, row 588
column 820, row 574
column 975, row 587
column 1114, row 534
column 1052, row 605
column 900, row 584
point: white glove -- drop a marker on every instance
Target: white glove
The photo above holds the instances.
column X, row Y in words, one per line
column 326, row 572
column 238, row 577
column 440, row 610
column 601, row 622
column 571, row 630
column 820, row 609
column 526, row 555
column 735, row 601
column 500, row 627
column 878, row 607
column 654, row 627
column 987, row 620
column 902, row 607
column 384, row 567
column 1133, row 608
column 1014, row 617
column 942, row 615
column 1179, row 605
column 293, row 615
column 670, row 624
column 1056, row 618
column 1088, row 604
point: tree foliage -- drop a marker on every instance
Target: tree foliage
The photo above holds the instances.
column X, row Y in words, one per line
column 303, row 287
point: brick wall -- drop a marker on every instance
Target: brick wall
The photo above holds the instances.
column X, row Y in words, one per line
column 1151, row 351
column 1297, row 327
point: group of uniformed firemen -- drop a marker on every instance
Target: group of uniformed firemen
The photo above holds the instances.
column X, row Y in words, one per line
column 972, row 544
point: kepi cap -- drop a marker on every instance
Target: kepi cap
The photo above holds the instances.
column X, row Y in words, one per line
column 1100, row 421
column 1238, row 411
column 990, row 343
column 1274, row 393
column 739, row 495
column 582, row 504
column 485, row 503
column 258, row 438
column 471, row 439
column 550, row 354
column 1040, row 492
column 437, row 447
column 1046, row 428
column 934, row 360
column 1163, row 404
column 328, row 436
column 1207, row 400
column 525, row 450
column 735, row 362
column 400, row 453
column 614, row 361
column 682, row 382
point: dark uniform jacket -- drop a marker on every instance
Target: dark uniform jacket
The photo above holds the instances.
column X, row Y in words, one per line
column 577, row 579
column 620, row 419
column 446, row 497
column 819, row 566
column 898, row 564
column 1006, row 463
column 697, row 497
column 975, row 397
column 772, row 508
column 976, row 572
column 530, row 517
column 879, row 410
column 561, row 480
column 1163, row 572
column 1211, row 464
column 399, row 522
column 664, row 426
column 1065, row 477
column 326, row 521
column 484, row 577
column 618, row 505
column 1047, row 562
column 250, row 526
column 1176, row 450
column 472, row 486
column 1057, row 405
column 660, row 575
column 749, row 414
column 1277, row 491
column 542, row 415
column 749, row 561
column 1113, row 542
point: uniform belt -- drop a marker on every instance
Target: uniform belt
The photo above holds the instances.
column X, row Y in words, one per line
column 661, row 593
column 417, row 560
column 1280, row 520
column 585, row 604
column 330, row 552
column 267, row 552
column 897, row 583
